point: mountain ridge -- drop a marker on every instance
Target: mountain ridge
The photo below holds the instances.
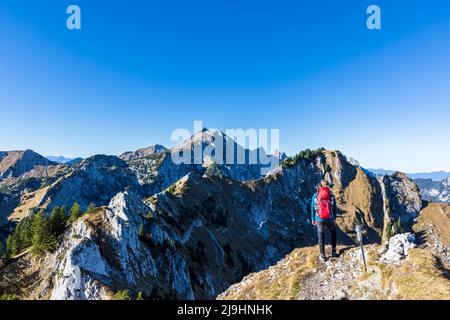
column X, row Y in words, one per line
column 434, row 175
column 201, row 233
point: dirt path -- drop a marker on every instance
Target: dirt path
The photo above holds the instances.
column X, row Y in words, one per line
column 342, row 278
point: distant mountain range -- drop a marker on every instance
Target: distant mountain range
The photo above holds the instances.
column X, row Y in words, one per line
column 435, row 176
column 434, row 191
column 63, row 160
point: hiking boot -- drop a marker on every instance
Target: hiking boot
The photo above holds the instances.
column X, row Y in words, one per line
column 323, row 259
column 334, row 254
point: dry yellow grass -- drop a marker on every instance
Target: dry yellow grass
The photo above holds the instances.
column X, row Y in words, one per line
column 269, row 285
column 29, row 201
column 419, row 278
column 437, row 215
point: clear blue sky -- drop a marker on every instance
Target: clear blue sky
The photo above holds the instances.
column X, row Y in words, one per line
column 139, row 69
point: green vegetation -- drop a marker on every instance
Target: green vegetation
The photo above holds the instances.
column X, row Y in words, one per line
column 43, row 239
column 398, row 227
column 149, row 215
column 171, row 189
column 144, row 236
column 169, row 243
column 140, row 296
column 90, row 209
column 141, row 232
column 20, row 238
column 40, row 231
column 6, row 296
column 307, row 154
column 389, row 231
column 122, row 295
column 127, row 295
column 75, row 213
column 393, row 229
column 58, row 221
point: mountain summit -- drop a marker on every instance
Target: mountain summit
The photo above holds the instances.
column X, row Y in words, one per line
column 13, row 164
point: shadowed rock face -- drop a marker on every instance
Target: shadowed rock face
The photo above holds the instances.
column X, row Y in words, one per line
column 200, row 235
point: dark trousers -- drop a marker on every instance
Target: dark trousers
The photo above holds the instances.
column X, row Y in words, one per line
column 331, row 226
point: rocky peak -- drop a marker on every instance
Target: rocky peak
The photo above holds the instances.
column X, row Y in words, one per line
column 447, row 182
column 403, row 197
column 143, row 152
column 17, row 163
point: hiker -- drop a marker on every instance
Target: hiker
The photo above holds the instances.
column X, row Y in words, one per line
column 323, row 215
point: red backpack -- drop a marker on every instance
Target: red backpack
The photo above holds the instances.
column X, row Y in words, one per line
column 324, row 203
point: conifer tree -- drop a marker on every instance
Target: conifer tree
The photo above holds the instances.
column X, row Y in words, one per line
column 75, row 212
column 11, row 247
column 24, row 231
column 57, row 221
column 43, row 240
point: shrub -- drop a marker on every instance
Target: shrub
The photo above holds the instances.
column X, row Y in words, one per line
column 122, row 295
column 7, row 296
column 171, row 189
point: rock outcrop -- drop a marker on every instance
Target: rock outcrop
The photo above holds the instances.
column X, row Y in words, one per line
column 143, row 152
column 397, row 248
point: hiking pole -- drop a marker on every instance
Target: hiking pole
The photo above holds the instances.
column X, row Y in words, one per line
column 358, row 230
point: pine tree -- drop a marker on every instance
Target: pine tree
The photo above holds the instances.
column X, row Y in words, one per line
column 11, row 247
column 75, row 212
column 57, row 221
column 43, row 240
column 24, row 231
